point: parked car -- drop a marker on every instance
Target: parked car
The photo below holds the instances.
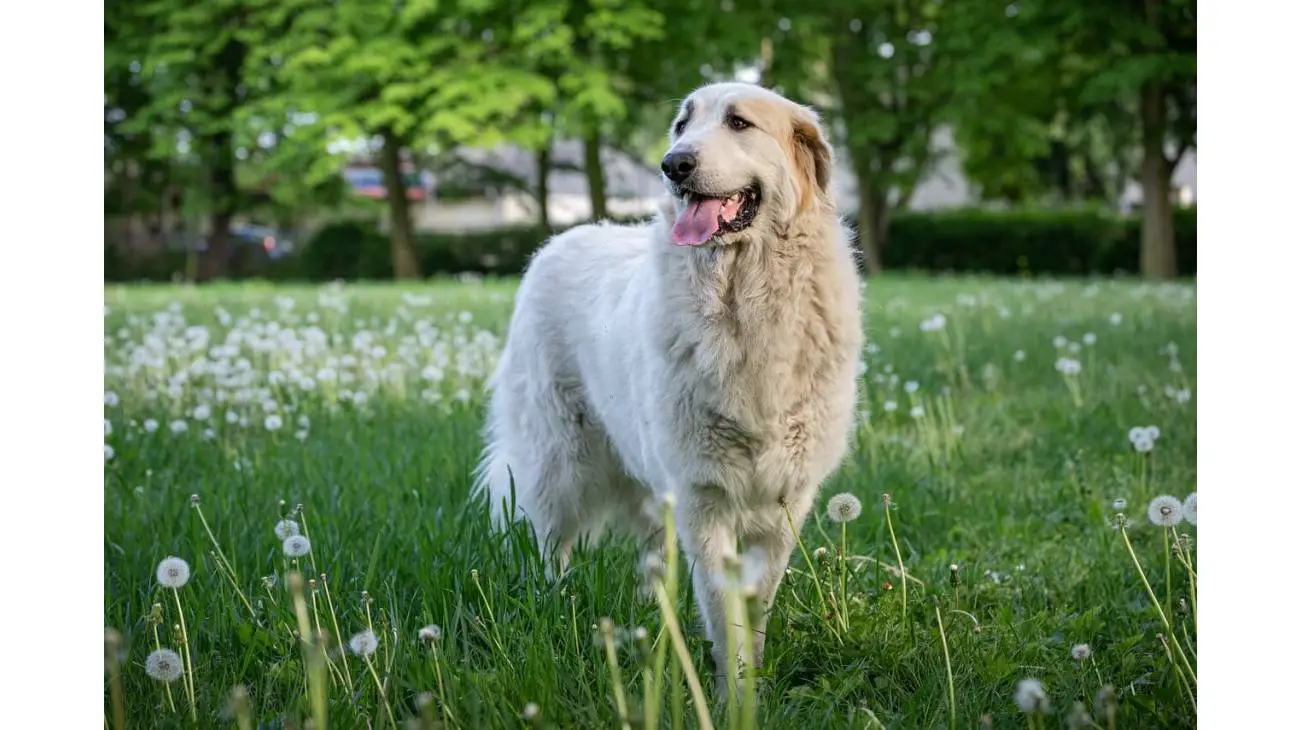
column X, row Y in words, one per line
column 274, row 243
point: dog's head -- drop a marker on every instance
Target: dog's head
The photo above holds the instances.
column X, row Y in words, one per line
column 743, row 160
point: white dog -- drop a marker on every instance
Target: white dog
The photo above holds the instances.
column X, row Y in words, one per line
column 711, row 354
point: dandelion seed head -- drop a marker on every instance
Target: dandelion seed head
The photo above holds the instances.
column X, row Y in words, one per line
column 364, row 643
column 163, row 665
column 843, row 507
column 173, row 572
column 1119, row 504
column 430, row 634
column 1189, row 509
column 285, row 529
column 1080, row 652
column 1031, row 698
column 296, row 546
column 273, row 422
column 1068, row 366
column 1165, row 511
column 531, row 711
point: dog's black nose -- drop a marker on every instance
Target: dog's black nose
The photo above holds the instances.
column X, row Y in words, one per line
column 679, row 165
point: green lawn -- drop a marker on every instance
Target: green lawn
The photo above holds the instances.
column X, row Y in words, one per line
column 362, row 404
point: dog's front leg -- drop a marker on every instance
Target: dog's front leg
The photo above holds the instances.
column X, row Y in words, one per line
column 708, row 537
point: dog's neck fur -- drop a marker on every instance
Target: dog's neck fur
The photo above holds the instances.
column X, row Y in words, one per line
column 736, row 306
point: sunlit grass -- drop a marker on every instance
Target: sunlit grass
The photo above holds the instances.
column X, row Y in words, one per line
column 362, row 404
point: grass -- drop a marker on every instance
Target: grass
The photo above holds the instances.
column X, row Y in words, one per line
column 1009, row 472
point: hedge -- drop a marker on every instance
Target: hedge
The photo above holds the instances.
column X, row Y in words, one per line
column 1055, row 242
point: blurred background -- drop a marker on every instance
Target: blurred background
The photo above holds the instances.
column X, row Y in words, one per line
column 353, row 139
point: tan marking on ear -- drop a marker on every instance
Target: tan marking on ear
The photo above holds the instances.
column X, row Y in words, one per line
column 811, row 157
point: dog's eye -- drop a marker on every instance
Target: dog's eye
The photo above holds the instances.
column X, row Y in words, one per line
column 680, row 127
column 737, row 124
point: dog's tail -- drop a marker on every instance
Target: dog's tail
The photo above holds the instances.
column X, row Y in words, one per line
column 494, row 480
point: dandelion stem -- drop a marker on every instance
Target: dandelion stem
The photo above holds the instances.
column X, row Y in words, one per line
column 329, row 601
column 1182, row 679
column 379, row 685
column 221, row 557
column 683, row 657
column 844, row 575
column 189, row 663
column 1169, row 582
column 1123, row 531
column 611, row 657
column 157, row 644
column 947, row 662
column 442, row 691
column 812, row 568
column 313, row 654
column 902, row 569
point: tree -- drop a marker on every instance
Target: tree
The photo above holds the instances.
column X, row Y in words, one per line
column 420, row 74
column 889, row 67
column 191, row 65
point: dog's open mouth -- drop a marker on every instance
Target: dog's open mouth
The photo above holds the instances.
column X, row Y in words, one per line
column 705, row 217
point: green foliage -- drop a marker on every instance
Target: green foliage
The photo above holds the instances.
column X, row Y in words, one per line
column 1020, row 503
column 1060, row 242
column 1057, row 242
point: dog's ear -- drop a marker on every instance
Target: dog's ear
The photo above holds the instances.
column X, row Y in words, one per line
column 813, row 156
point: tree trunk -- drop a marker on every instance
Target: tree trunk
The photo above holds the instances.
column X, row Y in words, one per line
column 215, row 261
column 401, row 233
column 543, row 191
column 1157, row 259
column 595, row 174
column 873, row 222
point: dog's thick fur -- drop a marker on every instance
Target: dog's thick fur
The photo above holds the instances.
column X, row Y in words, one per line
column 724, row 374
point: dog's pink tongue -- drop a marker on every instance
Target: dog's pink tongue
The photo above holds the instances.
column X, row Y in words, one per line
column 697, row 223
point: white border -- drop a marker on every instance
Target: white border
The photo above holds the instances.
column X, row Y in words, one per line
column 51, row 522
column 1249, row 268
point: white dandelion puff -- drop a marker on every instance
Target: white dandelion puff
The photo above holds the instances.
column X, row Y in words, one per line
column 911, row 386
column 178, row 426
column 890, row 406
column 1144, row 445
column 430, row 634
column 202, row 412
column 108, row 428
column 163, row 665
column 150, row 425
column 273, row 422
column 1119, row 504
column 173, row 572
column 285, row 529
column 1116, row 318
column 1031, row 698
column 1089, row 339
column 1068, row 366
column 531, row 711
column 1018, row 356
column 296, row 546
column 844, row 507
column 109, row 453
column 364, row 643
column 1059, row 341
column 1080, row 652
column 917, row 412
column 110, row 399
column 934, row 323
column 1165, row 511
column 1189, row 509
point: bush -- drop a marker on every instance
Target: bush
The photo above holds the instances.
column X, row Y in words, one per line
column 1057, row 242
column 1061, row 242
